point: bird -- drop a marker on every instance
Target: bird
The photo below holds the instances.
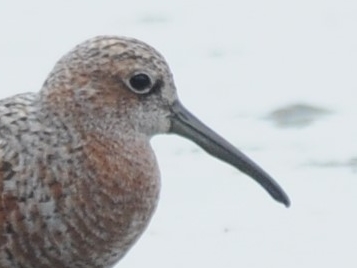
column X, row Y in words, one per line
column 79, row 181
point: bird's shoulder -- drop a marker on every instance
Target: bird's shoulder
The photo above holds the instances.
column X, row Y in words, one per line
column 15, row 114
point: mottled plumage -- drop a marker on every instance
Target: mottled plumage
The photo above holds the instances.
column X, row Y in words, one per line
column 79, row 181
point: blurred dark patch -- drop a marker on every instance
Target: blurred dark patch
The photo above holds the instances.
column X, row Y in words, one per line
column 350, row 163
column 153, row 19
column 297, row 115
column 216, row 53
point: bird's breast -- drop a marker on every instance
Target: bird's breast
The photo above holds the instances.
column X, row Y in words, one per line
column 116, row 197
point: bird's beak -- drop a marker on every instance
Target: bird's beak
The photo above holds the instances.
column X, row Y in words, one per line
column 187, row 125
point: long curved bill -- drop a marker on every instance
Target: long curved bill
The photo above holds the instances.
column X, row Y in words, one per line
column 187, row 125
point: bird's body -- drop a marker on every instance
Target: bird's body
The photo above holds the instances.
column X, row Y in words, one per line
column 64, row 202
column 79, row 181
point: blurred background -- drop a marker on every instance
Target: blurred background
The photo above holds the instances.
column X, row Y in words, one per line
column 276, row 78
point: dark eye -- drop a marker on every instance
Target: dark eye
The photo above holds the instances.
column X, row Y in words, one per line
column 140, row 83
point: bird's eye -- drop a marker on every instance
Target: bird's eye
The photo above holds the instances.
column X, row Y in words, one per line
column 140, row 83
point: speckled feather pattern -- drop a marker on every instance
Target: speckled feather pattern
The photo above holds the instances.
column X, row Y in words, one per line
column 79, row 181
